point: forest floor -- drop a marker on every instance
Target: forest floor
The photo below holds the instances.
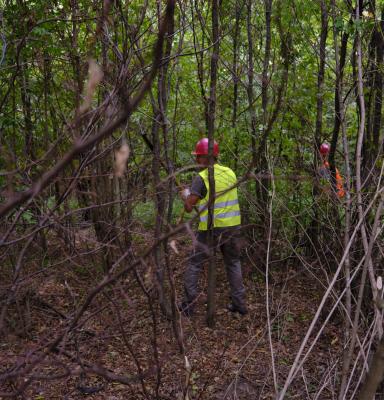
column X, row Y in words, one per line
column 231, row 361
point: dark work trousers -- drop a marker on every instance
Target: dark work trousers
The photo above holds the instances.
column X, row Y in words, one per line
column 227, row 240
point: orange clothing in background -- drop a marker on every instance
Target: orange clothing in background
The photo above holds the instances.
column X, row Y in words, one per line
column 339, row 180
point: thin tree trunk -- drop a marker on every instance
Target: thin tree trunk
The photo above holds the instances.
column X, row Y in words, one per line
column 236, row 81
column 368, row 266
column 320, row 75
column 315, row 226
column 27, row 112
column 263, row 185
column 267, row 57
column 211, row 178
column 74, row 55
column 377, row 114
column 338, row 100
column 199, row 55
column 360, row 139
column 340, row 121
column 250, row 91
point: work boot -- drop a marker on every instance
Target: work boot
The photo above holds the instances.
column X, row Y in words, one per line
column 233, row 308
column 186, row 309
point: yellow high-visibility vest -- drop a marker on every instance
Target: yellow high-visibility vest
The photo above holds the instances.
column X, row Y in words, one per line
column 226, row 208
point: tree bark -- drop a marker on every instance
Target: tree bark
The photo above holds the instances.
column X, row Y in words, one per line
column 211, row 178
column 315, row 226
column 250, row 90
column 236, row 82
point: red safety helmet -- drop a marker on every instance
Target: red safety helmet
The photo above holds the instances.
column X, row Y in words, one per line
column 324, row 148
column 201, row 148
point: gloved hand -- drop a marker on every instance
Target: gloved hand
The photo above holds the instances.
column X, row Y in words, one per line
column 185, row 193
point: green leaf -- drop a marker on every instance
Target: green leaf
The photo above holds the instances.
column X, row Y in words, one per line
column 28, row 217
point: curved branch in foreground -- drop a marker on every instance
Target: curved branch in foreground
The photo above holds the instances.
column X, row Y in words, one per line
column 83, row 145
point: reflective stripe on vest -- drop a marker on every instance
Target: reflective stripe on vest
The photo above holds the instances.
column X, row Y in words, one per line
column 226, row 211
column 222, row 204
column 222, row 215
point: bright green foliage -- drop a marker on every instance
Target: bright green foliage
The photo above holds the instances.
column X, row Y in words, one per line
column 44, row 78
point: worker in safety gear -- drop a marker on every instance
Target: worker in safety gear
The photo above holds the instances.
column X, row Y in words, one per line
column 226, row 222
column 325, row 172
